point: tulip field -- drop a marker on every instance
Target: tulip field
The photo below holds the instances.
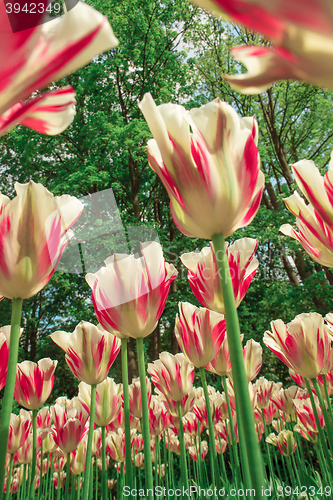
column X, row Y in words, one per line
column 166, row 245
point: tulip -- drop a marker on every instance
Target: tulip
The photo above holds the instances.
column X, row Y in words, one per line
column 264, row 389
column 221, row 364
column 284, row 441
column 204, row 278
column 129, row 294
column 283, row 399
column 186, row 403
column 34, row 382
column 199, row 333
column 192, row 424
column 59, row 480
column 4, row 351
column 315, row 236
column 306, row 414
column 172, row 374
column 158, row 417
column 34, row 58
column 90, row 352
column 314, row 221
column 208, row 161
column 135, row 402
column 69, row 420
column 19, row 429
column 307, row 433
column 252, row 354
column 200, row 409
column 108, row 400
column 78, row 457
column 44, row 418
column 34, row 231
column 301, row 34
column 203, row 451
column 302, row 344
column 115, row 446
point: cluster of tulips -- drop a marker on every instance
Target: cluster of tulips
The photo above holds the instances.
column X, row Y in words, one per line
column 208, row 161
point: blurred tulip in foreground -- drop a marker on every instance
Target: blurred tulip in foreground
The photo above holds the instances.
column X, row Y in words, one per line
column 208, row 161
column 129, row 294
column 4, row 351
column 302, row 344
column 199, row 333
column 33, row 58
column 89, row 351
column 301, row 32
column 34, row 231
column 203, row 275
column 34, row 382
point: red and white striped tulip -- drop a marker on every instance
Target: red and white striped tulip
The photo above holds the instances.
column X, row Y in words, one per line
column 4, row 351
column 172, row 374
column 134, row 394
column 34, row 382
column 284, row 399
column 186, row 403
column 34, row 231
column 129, row 294
column 78, row 457
column 314, row 221
column 199, row 333
column 108, row 400
column 301, row 35
column 69, row 420
column 208, row 161
column 192, row 424
column 203, row 451
column 303, row 344
column 284, row 441
column 89, row 352
column 221, row 364
column 35, row 57
column 252, row 355
column 203, row 276
column 307, row 433
column 19, row 429
column 305, row 414
column 115, row 446
column 264, row 389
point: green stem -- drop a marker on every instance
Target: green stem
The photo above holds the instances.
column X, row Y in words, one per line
column 89, row 443
column 327, row 397
column 233, row 437
column 183, row 464
column 68, row 472
column 212, row 451
column 41, row 483
column 246, row 416
column 128, row 459
column 104, row 485
column 270, row 464
column 96, row 481
column 59, row 481
column 328, row 423
column 320, row 430
column 34, row 453
column 145, row 415
column 9, row 387
column 9, row 477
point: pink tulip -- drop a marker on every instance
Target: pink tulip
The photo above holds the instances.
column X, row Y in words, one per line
column 33, row 58
column 34, row 231
column 301, row 33
column 252, row 354
column 108, row 400
column 204, row 278
column 208, row 161
column 44, row 418
column 59, row 480
column 199, row 333
column 69, row 420
column 129, row 294
column 158, row 417
column 24, row 452
column 34, row 382
column 172, row 374
column 200, row 409
column 302, row 344
column 90, row 352
column 19, row 428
